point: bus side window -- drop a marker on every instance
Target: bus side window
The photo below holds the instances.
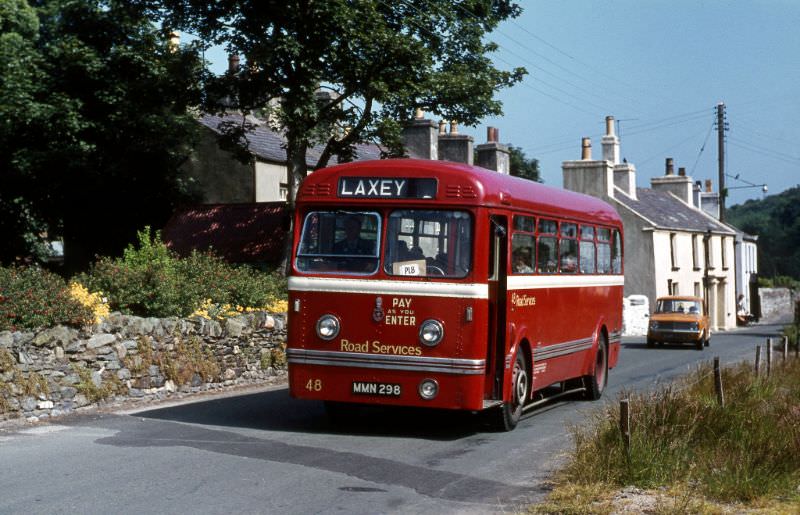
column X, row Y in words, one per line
column 546, row 255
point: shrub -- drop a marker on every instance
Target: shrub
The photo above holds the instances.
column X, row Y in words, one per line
column 150, row 280
column 31, row 298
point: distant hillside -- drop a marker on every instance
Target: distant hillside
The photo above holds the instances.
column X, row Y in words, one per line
column 776, row 221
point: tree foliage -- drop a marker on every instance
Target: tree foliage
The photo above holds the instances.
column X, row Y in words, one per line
column 776, row 222
column 523, row 167
column 379, row 60
column 94, row 108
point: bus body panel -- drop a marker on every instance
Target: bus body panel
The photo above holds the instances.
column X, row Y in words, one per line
column 558, row 320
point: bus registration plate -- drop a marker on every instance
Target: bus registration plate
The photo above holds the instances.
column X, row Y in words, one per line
column 373, row 388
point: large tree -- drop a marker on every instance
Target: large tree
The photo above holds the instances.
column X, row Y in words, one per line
column 522, row 166
column 95, row 125
column 380, row 60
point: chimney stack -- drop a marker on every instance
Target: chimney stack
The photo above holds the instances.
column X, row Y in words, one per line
column 174, row 41
column 610, row 143
column 233, row 63
column 586, row 149
column 493, row 155
column 455, row 147
column 679, row 185
column 586, row 176
column 420, row 138
column 709, row 200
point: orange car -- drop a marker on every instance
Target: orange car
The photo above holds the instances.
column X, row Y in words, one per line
column 679, row 319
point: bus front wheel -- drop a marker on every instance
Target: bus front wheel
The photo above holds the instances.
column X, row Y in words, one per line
column 508, row 415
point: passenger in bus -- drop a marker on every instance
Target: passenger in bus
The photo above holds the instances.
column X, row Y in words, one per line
column 401, row 251
column 353, row 243
column 520, row 261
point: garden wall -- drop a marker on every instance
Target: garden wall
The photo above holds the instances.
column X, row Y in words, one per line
column 57, row 370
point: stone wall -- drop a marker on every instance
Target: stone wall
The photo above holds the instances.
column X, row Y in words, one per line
column 777, row 305
column 57, row 370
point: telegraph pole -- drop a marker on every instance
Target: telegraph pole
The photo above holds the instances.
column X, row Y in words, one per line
column 722, row 126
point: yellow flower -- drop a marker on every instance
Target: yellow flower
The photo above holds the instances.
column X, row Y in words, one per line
column 94, row 301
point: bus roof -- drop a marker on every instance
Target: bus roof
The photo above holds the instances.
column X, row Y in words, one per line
column 458, row 184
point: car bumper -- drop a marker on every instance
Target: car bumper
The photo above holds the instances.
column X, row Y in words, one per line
column 675, row 335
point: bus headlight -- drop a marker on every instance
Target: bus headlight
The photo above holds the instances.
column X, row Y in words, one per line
column 428, row 389
column 431, row 332
column 327, row 327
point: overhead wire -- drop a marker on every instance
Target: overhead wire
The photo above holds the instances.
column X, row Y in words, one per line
column 702, row 148
column 425, row 30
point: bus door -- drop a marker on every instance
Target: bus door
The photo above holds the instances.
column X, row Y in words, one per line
column 496, row 348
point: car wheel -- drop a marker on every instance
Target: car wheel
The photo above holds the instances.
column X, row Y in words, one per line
column 699, row 344
column 651, row 342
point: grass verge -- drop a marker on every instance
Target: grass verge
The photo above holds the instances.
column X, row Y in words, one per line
column 687, row 453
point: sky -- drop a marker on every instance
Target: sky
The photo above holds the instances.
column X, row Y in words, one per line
column 659, row 68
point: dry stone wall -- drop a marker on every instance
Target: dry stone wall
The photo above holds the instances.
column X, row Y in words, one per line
column 57, row 370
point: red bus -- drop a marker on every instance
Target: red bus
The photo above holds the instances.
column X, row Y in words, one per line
column 443, row 285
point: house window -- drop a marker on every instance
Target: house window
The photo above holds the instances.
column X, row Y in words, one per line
column 695, row 252
column 673, row 287
column 673, row 251
column 283, row 191
column 724, row 254
column 710, row 249
column 697, row 291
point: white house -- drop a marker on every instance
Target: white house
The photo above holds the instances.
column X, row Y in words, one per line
column 671, row 245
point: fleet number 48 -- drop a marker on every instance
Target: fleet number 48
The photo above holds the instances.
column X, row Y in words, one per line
column 314, row 385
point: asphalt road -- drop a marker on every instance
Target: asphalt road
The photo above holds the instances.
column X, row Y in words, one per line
column 267, row 453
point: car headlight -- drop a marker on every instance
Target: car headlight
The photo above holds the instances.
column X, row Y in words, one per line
column 431, row 332
column 654, row 325
column 693, row 326
column 327, row 327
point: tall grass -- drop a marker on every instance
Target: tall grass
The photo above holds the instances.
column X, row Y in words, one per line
column 748, row 450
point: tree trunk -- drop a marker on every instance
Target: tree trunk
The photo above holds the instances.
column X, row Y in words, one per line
column 296, row 171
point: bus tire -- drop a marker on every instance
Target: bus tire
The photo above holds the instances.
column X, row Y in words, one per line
column 508, row 415
column 596, row 383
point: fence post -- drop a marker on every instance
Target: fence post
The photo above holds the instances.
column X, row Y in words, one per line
column 769, row 356
column 718, row 383
column 758, row 360
column 625, row 423
column 785, row 348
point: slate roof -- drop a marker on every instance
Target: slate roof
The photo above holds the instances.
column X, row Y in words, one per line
column 665, row 211
column 268, row 145
column 239, row 233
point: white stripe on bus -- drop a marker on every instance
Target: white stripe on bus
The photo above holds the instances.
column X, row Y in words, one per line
column 421, row 288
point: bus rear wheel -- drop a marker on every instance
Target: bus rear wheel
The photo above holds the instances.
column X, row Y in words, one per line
column 596, row 383
column 508, row 415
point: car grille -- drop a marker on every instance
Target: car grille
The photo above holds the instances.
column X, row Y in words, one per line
column 676, row 326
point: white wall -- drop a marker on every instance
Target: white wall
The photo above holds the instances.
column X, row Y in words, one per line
column 269, row 177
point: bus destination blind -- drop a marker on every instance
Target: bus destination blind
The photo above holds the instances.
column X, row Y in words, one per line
column 387, row 187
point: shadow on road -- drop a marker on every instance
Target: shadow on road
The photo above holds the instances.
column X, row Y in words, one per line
column 277, row 411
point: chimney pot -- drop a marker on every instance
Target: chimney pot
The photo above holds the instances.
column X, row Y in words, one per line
column 453, row 127
column 419, row 114
column 442, row 127
column 670, row 167
column 609, row 125
column 708, row 186
column 233, row 63
column 586, row 149
column 492, row 134
column 682, row 171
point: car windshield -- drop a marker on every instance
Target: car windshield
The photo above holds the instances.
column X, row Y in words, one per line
column 428, row 243
column 678, row 306
column 339, row 242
